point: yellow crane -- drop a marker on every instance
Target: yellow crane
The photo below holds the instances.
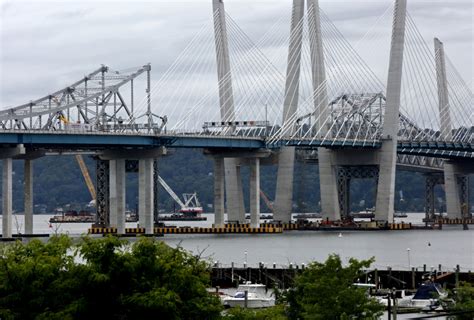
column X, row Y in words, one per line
column 266, row 200
column 82, row 166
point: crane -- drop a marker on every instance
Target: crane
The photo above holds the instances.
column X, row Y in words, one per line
column 82, row 166
column 190, row 206
column 266, row 200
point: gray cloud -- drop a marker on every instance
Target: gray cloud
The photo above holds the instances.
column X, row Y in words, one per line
column 46, row 45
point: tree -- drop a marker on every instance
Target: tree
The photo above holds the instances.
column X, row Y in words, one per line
column 464, row 298
column 103, row 278
column 273, row 313
column 326, row 291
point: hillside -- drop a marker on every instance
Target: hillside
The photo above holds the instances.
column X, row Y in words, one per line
column 58, row 182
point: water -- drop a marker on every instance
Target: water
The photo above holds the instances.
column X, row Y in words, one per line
column 448, row 247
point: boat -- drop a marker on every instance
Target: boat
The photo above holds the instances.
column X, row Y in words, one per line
column 426, row 298
column 72, row 219
column 301, row 216
column 364, row 214
column 181, row 217
column 73, row 216
column 399, row 214
column 263, row 216
column 256, row 297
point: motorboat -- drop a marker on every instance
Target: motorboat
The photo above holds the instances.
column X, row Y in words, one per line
column 257, row 297
column 427, row 297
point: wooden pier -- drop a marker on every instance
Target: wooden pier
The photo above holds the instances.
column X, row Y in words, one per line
column 283, row 277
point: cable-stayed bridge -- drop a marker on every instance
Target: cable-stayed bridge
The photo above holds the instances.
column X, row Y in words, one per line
column 326, row 100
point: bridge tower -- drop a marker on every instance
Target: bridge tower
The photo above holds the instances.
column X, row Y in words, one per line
column 337, row 167
column 233, row 179
column 286, row 157
column 330, row 206
column 456, row 182
column 385, row 200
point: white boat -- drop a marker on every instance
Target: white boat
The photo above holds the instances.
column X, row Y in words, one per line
column 427, row 297
column 256, row 297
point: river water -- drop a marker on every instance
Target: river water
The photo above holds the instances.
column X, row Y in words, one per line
column 398, row 249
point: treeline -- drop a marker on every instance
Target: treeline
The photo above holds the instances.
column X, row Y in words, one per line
column 58, row 181
column 109, row 278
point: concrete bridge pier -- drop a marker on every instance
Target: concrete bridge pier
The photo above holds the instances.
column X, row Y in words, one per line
column 7, row 154
column 284, row 187
column 252, row 159
column 219, row 190
column 146, row 194
column 456, row 182
column 28, row 190
column 255, row 193
column 330, row 208
column 234, row 192
column 7, row 198
column 117, row 194
column 111, row 182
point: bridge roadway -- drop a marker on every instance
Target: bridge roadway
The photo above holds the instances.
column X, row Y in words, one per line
column 96, row 140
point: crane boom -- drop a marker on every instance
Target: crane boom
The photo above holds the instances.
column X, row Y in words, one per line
column 171, row 192
column 87, row 177
column 266, row 200
column 82, row 165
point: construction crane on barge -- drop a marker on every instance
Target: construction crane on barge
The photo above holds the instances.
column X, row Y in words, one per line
column 190, row 206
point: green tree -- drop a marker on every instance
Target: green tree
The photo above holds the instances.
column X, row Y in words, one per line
column 103, row 278
column 464, row 301
column 273, row 313
column 326, row 291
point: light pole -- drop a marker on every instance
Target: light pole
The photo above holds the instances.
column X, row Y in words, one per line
column 245, row 253
column 408, row 254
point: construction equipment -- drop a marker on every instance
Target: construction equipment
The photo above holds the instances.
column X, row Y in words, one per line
column 82, row 166
column 190, row 206
column 266, row 200
column 87, row 177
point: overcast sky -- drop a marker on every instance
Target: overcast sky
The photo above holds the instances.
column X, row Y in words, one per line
column 44, row 45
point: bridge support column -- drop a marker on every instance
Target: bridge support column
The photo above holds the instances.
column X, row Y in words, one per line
column 286, row 157
column 344, row 190
column 385, row 200
column 28, row 189
column 255, row 193
column 284, row 188
column 145, row 194
column 330, row 208
column 219, row 173
column 240, row 193
column 429, row 199
column 156, row 186
column 7, row 198
column 117, row 194
column 384, row 206
column 431, row 180
column 453, row 191
column 233, row 183
column 102, row 191
column 234, row 193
